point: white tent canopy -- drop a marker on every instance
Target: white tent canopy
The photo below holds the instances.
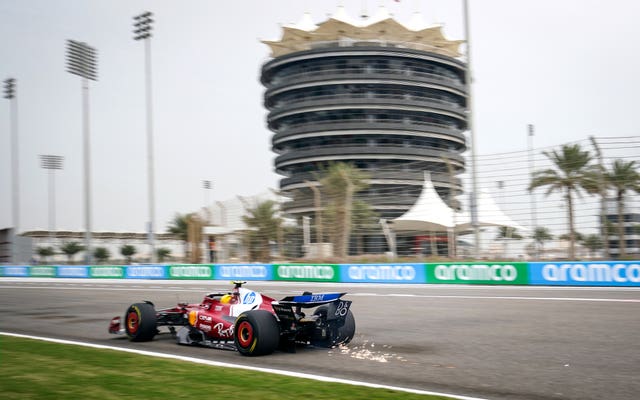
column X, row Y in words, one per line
column 489, row 214
column 430, row 213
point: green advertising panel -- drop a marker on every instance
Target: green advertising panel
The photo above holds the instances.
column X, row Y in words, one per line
column 42, row 271
column 107, row 271
column 307, row 272
column 498, row 273
column 191, row 271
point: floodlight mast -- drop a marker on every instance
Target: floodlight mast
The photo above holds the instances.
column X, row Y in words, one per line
column 142, row 31
column 51, row 163
column 82, row 61
column 10, row 94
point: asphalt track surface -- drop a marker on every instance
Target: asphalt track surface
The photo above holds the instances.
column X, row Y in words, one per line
column 489, row 342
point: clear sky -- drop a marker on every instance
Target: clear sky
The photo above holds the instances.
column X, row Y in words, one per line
column 570, row 67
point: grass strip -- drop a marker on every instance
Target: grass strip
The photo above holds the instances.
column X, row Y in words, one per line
column 32, row 369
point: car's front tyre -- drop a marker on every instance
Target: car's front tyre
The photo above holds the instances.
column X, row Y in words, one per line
column 140, row 322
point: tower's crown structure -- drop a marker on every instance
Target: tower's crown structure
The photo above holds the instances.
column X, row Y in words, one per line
column 381, row 27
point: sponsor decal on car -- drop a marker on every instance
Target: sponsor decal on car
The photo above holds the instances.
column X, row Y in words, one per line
column 249, row 298
column 222, row 332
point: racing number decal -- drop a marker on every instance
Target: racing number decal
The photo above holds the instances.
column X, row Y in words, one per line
column 343, row 308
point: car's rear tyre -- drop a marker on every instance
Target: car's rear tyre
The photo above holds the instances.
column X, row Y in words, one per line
column 341, row 335
column 140, row 322
column 256, row 333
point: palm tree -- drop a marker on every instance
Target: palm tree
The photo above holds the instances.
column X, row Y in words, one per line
column 265, row 226
column 507, row 232
column 593, row 242
column 622, row 177
column 45, row 252
column 363, row 217
column 179, row 226
column 101, row 254
column 577, row 235
column 163, row 253
column 541, row 235
column 340, row 182
column 70, row 249
column 572, row 173
column 128, row 251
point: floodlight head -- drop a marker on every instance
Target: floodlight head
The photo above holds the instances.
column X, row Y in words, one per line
column 9, row 88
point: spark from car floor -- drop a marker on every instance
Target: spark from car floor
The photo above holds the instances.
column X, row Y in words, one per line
column 367, row 351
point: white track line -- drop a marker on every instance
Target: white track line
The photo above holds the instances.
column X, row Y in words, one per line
column 356, row 294
column 246, row 367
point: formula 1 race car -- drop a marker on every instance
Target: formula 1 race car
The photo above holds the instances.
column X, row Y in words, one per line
column 246, row 321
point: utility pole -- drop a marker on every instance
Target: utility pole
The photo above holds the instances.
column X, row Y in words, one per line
column 532, row 199
column 471, row 128
column 81, row 61
column 10, row 94
column 602, row 186
column 142, row 31
column 51, row 163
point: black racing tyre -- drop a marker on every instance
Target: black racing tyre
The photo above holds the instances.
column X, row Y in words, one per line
column 256, row 333
column 344, row 333
column 140, row 322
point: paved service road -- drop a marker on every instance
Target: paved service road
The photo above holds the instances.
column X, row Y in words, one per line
column 491, row 342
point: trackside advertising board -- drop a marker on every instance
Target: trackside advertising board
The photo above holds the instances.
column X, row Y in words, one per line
column 383, row 273
column 72, row 271
column 306, row 272
column 574, row 273
column 478, row 273
column 146, row 272
column 42, row 271
column 250, row 272
column 107, row 271
column 17, row 271
column 604, row 273
column 190, row 271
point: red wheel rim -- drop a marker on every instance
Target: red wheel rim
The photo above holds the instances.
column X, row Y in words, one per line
column 245, row 334
column 133, row 322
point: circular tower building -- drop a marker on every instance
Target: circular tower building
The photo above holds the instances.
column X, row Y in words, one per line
column 388, row 98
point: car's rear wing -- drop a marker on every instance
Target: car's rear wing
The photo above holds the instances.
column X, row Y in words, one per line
column 336, row 309
column 311, row 300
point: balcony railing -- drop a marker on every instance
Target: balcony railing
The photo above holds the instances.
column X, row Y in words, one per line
column 357, row 151
column 358, row 72
column 283, row 127
column 286, row 101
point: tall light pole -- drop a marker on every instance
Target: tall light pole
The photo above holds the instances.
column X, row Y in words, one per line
column 206, row 186
column 10, row 94
column 472, row 131
column 142, row 31
column 81, row 61
column 51, row 163
column 532, row 200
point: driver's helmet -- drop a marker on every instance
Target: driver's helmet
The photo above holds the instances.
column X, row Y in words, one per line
column 226, row 299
